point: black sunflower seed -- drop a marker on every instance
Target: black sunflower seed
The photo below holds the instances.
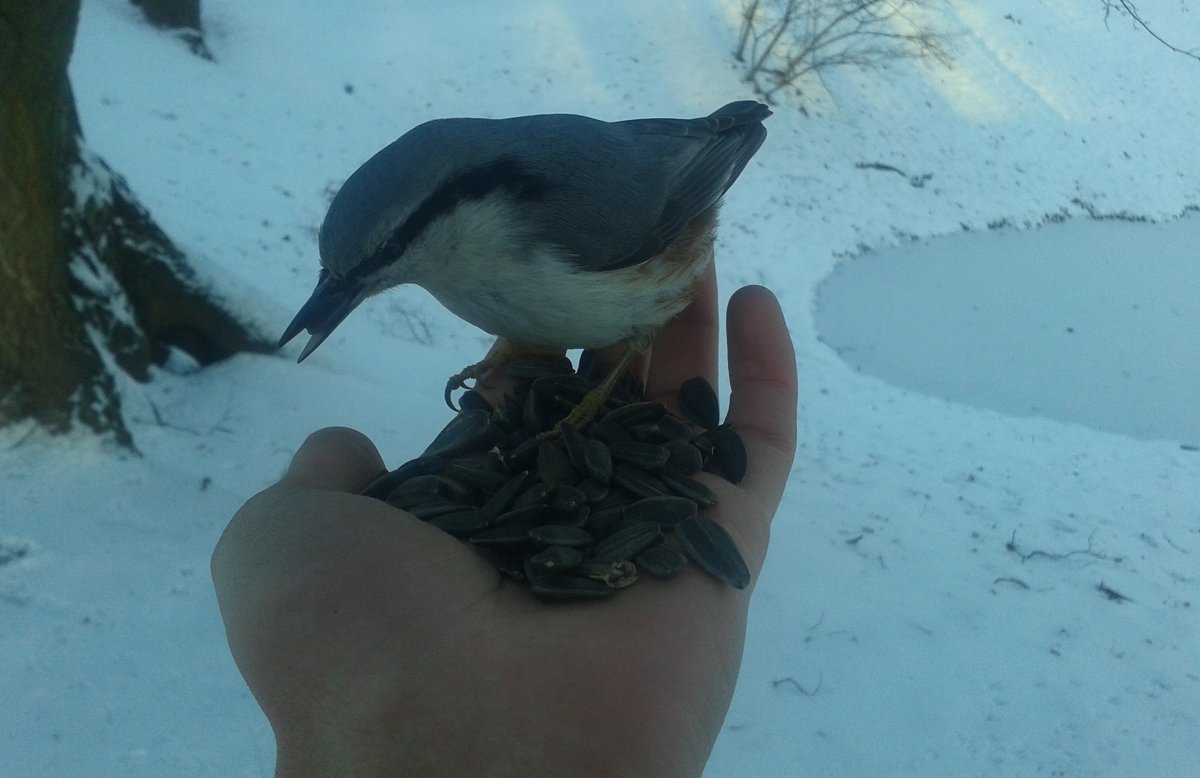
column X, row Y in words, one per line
column 424, row 488
column 523, row 455
column 588, row 366
column 432, row 510
column 616, row 575
column 385, row 484
column 462, row 524
column 660, row 561
column 537, row 513
column 593, row 491
column 537, row 494
column 608, row 432
column 476, row 475
column 636, row 413
column 713, row 550
column 648, row 456
column 673, row 428
column 513, row 536
column 568, row 386
column 573, row 443
column 530, row 369
column 664, row 511
column 560, row 535
column 728, row 458
column 472, row 400
column 628, row 541
column 683, row 459
column 691, row 489
column 638, row 481
column 468, row 431
column 597, row 461
column 536, row 413
column 556, row 559
column 503, row 498
column 566, row 499
column 553, row 466
column 567, row 588
column 602, row 521
column 699, row 401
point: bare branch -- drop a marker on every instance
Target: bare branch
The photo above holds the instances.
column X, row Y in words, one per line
column 1126, row 8
column 789, row 40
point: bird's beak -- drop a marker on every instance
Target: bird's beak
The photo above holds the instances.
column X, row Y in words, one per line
column 331, row 301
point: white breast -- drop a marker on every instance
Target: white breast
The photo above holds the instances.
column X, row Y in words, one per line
column 482, row 271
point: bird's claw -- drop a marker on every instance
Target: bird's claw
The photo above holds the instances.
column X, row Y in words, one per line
column 457, row 381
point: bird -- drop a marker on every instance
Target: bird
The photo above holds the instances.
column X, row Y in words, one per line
column 550, row 232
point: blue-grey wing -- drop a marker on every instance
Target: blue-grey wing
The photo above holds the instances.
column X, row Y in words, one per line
column 712, row 152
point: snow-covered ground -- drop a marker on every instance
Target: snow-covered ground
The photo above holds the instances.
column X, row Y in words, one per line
column 955, row 586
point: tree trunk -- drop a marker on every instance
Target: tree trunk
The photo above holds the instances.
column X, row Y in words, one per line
column 88, row 282
column 182, row 16
column 171, row 14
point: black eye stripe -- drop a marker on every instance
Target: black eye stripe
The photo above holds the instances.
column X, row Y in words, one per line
column 472, row 184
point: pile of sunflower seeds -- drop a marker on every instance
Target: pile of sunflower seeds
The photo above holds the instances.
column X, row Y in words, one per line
column 581, row 514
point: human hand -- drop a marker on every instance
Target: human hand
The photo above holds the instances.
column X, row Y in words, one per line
column 377, row 644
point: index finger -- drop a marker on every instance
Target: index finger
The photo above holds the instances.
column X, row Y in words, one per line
column 762, row 403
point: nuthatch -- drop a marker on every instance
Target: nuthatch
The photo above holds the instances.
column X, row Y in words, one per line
column 552, row 231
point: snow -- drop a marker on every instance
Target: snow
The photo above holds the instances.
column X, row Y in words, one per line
column 934, row 601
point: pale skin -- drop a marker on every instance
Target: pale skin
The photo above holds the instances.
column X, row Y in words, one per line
column 378, row 645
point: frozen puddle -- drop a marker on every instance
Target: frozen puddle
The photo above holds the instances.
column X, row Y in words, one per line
column 1093, row 322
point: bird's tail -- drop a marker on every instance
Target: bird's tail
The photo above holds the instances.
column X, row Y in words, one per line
column 735, row 114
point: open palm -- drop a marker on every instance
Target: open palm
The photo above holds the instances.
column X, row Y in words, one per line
column 377, row 644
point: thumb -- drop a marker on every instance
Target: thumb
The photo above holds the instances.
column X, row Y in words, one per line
column 335, row 459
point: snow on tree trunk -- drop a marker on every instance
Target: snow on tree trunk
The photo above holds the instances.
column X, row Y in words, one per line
column 88, row 282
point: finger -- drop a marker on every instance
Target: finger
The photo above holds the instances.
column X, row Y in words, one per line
column 687, row 346
column 762, row 403
column 335, row 459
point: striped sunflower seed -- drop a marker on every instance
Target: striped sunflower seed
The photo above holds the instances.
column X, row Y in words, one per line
column 713, row 550
column 511, row 536
column 660, row 561
column 627, row 542
column 553, row 466
column 636, row 413
column 574, row 443
column 557, row 559
column 462, row 524
column 597, row 461
column 683, row 459
column 648, row 456
column 729, row 456
column 638, row 481
column 468, row 431
column 691, row 489
column 663, row 511
column 567, row 588
column 503, row 498
column 608, row 432
column 424, row 488
column 432, row 510
column 560, row 535
column 385, row 484
column 699, row 402
column 614, row 575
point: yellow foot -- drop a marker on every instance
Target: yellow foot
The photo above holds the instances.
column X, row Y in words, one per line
column 502, row 352
column 594, row 400
column 459, row 380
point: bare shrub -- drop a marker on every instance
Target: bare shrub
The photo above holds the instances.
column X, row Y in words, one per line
column 782, row 42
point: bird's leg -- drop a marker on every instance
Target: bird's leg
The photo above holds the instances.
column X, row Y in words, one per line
column 502, row 352
column 594, row 400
